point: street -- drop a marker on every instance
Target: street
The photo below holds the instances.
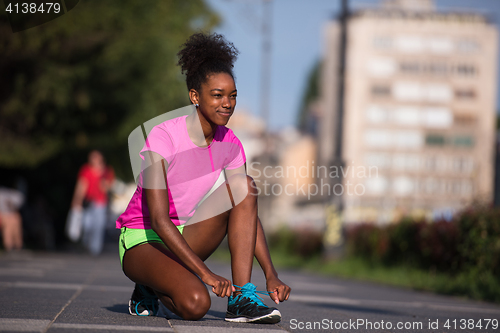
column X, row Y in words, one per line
column 62, row 292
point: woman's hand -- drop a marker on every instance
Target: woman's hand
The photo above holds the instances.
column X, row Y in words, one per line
column 279, row 291
column 220, row 286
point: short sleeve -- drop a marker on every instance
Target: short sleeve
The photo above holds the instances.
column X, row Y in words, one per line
column 110, row 174
column 83, row 172
column 160, row 142
column 237, row 153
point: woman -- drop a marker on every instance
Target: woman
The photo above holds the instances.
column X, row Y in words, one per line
column 173, row 222
column 90, row 197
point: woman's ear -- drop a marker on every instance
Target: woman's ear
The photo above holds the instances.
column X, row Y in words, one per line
column 194, row 96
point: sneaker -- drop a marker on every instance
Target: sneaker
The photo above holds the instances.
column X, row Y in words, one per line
column 248, row 307
column 143, row 302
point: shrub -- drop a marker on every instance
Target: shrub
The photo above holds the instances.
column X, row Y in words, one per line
column 468, row 247
column 303, row 242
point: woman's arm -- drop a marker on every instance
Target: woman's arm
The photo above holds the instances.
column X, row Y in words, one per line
column 155, row 188
column 281, row 291
column 79, row 194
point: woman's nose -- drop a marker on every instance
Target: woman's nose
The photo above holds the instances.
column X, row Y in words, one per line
column 226, row 103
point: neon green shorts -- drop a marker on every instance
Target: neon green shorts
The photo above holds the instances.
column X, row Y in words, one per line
column 133, row 237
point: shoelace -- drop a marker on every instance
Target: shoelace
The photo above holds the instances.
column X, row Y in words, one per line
column 249, row 290
column 150, row 302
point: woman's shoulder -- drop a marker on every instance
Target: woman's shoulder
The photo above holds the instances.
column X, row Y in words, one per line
column 226, row 134
column 168, row 129
column 174, row 124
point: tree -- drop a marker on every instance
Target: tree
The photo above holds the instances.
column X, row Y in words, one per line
column 85, row 80
column 89, row 77
column 311, row 94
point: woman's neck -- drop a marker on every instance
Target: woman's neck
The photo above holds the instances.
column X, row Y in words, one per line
column 207, row 128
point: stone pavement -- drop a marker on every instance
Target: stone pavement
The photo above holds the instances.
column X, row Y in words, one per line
column 63, row 292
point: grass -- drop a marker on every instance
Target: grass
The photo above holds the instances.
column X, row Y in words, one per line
column 466, row 284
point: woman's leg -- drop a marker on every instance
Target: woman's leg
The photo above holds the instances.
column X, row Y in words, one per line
column 238, row 222
column 179, row 289
column 12, row 231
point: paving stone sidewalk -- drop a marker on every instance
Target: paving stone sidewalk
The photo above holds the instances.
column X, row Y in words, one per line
column 61, row 292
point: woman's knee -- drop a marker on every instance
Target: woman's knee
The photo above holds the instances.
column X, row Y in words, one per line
column 194, row 305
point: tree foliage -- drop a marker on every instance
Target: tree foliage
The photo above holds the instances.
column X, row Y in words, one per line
column 88, row 78
column 312, row 93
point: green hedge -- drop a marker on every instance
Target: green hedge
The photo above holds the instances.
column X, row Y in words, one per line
column 467, row 248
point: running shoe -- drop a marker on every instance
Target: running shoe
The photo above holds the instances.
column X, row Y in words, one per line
column 143, row 301
column 248, row 307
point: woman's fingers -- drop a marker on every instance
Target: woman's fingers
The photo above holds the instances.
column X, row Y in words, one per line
column 222, row 287
column 287, row 292
column 275, row 297
column 280, row 293
column 284, row 292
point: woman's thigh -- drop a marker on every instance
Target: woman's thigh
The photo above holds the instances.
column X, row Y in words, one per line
column 205, row 237
column 207, row 228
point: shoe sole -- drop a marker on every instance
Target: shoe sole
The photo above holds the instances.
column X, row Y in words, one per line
column 144, row 313
column 272, row 318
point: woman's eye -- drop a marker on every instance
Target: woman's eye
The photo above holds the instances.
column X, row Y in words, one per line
column 217, row 95
column 233, row 96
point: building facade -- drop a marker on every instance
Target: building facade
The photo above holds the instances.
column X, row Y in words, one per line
column 419, row 119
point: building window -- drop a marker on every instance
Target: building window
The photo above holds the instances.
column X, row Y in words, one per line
column 382, row 42
column 465, row 119
column 465, row 93
column 403, row 186
column 381, row 90
column 407, row 115
column 381, row 67
column 408, row 91
column 462, row 165
column 378, row 160
column 407, row 139
column 456, row 187
column 410, row 44
column 431, row 163
column 466, row 70
column 405, row 162
column 440, row 45
column 376, row 185
column 467, row 188
column 463, row 141
column 467, row 46
column 437, row 117
column 439, row 92
column 409, row 67
column 435, row 140
column 378, row 138
column 377, row 115
column 437, row 69
column 431, row 185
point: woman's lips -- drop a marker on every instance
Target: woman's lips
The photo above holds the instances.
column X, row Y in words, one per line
column 225, row 114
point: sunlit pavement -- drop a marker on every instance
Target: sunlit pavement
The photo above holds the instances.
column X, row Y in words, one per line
column 58, row 292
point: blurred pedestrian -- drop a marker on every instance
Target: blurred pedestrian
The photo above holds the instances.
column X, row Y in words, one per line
column 94, row 181
column 10, row 220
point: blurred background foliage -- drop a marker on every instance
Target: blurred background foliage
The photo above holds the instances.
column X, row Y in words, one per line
column 467, row 248
column 458, row 257
column 85, row 81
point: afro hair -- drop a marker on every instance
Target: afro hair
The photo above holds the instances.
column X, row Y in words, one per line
column 203, row 55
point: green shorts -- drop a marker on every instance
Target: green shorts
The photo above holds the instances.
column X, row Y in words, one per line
column 133, row 237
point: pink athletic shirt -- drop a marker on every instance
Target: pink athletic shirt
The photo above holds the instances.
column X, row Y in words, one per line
column 192, row 170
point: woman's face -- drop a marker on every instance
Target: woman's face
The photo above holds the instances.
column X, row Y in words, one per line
column 216, row 99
